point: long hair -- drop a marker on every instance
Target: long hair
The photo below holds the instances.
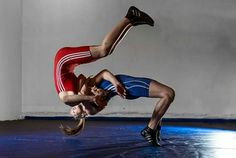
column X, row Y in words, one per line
column 72, row 131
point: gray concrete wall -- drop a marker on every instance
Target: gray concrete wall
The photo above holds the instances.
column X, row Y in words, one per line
column 192, row 48
column 10, row 59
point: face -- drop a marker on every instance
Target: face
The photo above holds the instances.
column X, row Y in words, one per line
column 77, row 111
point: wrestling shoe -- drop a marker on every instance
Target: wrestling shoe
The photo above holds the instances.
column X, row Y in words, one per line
column 158, row 133
column 138, row 17
column 150, row 135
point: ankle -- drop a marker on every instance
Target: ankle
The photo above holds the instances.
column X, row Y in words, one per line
column 150, row 129
column 127, row 20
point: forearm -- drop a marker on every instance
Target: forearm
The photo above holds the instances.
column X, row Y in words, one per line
column 110, row 77
column 105, row 75
column 73, row 100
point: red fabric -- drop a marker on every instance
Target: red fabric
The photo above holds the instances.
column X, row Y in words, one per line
column 66, row 60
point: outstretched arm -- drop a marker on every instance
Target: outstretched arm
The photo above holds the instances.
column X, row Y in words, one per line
column 73, row 99
column 107, row 75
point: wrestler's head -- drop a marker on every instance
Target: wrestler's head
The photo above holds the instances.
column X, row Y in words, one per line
column 78, row 111
column 79, row 114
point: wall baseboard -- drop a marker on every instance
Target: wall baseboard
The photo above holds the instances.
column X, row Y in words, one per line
column 137, row 115
column 103, row 118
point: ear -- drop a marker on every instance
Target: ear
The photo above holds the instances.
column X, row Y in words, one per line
column 71, row 112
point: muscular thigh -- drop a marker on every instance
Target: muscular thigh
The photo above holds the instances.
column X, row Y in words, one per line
column 157, row 89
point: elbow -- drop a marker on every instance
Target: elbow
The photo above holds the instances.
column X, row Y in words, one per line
column 105, row 71
column 66, row 100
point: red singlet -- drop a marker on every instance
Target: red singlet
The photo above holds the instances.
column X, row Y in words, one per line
column 65, row 61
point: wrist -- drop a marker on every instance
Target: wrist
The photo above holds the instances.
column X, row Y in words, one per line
column 91, row 98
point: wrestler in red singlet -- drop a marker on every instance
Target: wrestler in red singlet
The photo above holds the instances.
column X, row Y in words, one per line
column 66, row 60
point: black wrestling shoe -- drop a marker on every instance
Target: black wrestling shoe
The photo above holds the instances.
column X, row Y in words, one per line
column 158, row 133
column 138, row 17
column 150, row 135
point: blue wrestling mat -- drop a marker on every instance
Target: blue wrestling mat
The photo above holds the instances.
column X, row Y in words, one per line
column 112, row 139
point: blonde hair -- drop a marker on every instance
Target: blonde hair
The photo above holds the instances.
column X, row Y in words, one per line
column 72, row 131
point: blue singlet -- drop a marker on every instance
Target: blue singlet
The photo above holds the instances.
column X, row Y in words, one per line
column 135, row 86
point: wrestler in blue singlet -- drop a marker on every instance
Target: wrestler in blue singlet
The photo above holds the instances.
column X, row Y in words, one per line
column 135, row 86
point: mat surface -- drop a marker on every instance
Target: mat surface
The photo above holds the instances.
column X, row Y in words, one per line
column 107, row 139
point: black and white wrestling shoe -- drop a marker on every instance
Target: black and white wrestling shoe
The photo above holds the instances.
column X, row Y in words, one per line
column 138, row 17
column 150, row 135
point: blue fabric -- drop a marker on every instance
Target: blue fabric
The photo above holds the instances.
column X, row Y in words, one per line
column 116, row 139
column 135, row 86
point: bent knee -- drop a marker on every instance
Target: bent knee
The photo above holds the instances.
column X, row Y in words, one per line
column 169, row 94
column 105, row 50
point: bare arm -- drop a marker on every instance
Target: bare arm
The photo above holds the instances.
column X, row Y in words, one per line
column 71, row 99
column 107, row 75
column 74, row 99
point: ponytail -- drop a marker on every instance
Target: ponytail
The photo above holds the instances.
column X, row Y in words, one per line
column 70, row 131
